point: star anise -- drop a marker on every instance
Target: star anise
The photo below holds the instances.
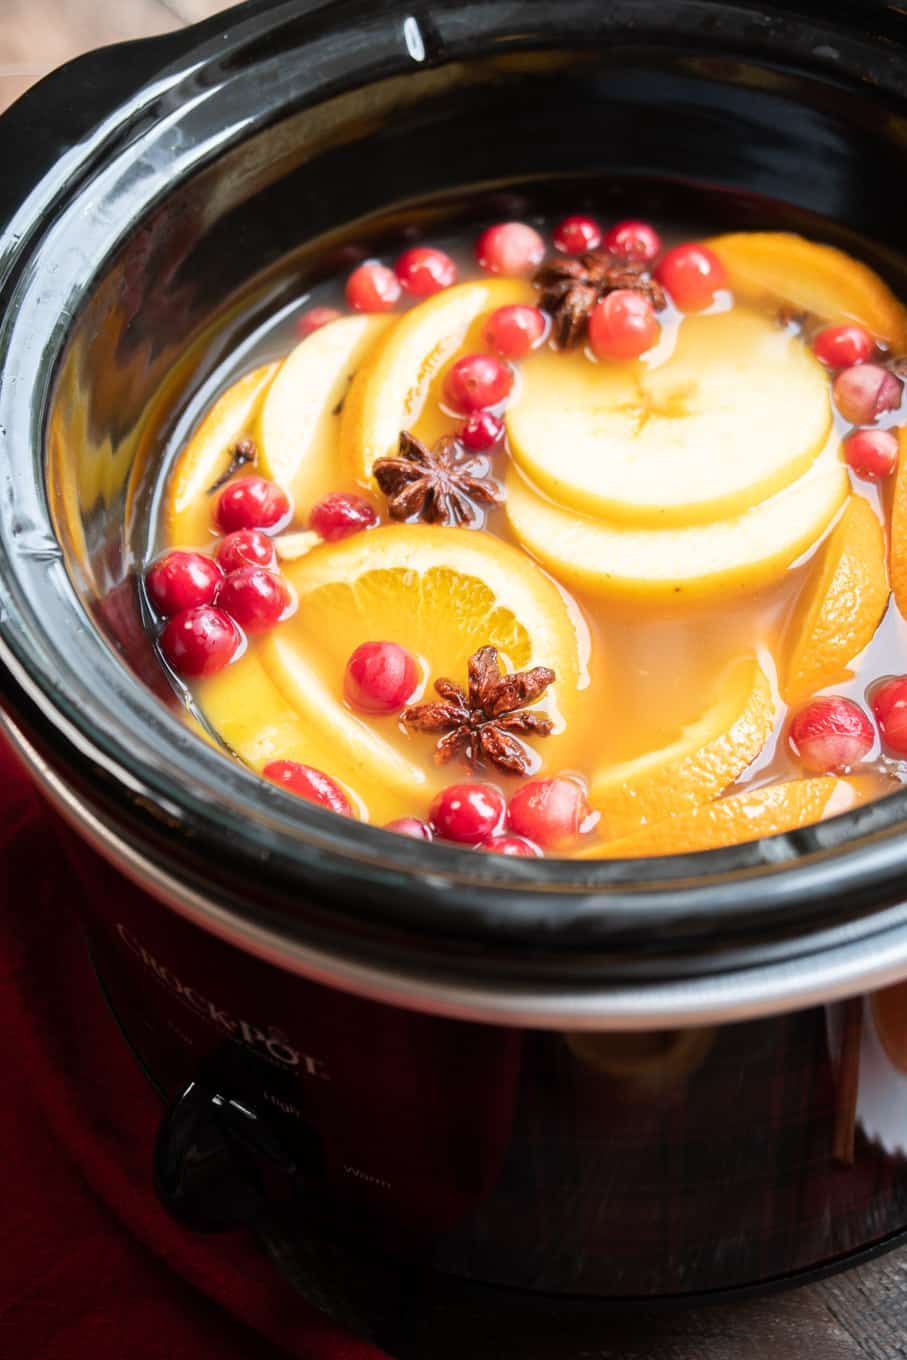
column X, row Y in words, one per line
column 571, row 285
column 480, row 724
column 442, row 485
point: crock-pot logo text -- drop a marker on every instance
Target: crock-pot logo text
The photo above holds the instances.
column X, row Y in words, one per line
column 269, row 1043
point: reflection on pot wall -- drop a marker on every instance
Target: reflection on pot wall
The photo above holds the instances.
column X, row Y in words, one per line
column 606, row 1164
column 868, row 1038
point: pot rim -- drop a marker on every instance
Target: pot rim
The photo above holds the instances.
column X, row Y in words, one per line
column 749, row 993
column 855, row 860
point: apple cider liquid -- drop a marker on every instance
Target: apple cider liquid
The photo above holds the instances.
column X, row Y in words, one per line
column 556, row 540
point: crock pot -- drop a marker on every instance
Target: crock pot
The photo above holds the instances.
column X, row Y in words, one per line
column 495, row 1086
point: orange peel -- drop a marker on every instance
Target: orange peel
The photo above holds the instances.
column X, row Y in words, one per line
column 783, row 268
column 841, row 606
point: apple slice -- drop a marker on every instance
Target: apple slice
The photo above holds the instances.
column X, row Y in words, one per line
column 783, row 268
column 708, row 755
column 188, row 508
column 389, row 393
column 300, row 416
column 738, row 554
column 698, row 436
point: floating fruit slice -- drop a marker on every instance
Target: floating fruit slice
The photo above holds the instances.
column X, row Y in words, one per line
column 746, row 816
column 782, row 268
column 441, row 594
column 730, row 555
column 841, row 605
column 300, row 416
column 701, row 436
column 897, row 560
column 707, row 756
column 360, row 752
column 257, row 723
column 389, row 393
column 188, row 510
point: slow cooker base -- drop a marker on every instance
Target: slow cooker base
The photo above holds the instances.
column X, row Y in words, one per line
column 411, row 1312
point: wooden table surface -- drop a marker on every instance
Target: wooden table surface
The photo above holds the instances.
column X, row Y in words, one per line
column 37, row 35
column 861, row 1315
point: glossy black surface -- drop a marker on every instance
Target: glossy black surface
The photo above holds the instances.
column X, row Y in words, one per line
column 172, row 199
column 216, row 191
column 205, row 1172
column 412, row 1162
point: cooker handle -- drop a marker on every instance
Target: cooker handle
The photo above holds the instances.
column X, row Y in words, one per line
column 208, row 1160
column 57, row 112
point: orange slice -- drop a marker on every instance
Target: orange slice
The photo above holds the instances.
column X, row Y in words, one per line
column 391, row 390
column 746, row 816
column 708, row 755
column 440, row 592
column 898, row 552
column 841, row 606
column 188, row 508
column 780, row 267
column 253, row 717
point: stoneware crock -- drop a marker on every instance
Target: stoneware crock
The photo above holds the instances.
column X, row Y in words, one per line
column 450, row 1082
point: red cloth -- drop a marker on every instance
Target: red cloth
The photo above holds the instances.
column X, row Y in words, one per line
column 90, row 1267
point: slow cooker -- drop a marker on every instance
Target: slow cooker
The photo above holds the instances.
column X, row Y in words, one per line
column 464, row 1086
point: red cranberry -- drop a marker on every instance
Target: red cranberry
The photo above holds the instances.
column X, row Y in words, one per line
column 312, row 321
column 550, row 812
column 468, row 813
column 424, row 270
column 843, row 346
column 634, row 240
column 577, row 234
column 380, row 677
column 872, row 454
column 373, row 288
column 889, row 704
column 341, row 514
column 830, row 734
column 692, row 274
column 514, row 331
column 306, row 782
column 866, row 391
column 511, row 845
column 477, row 381
column 182, row 580
column 200, row 641
column 255, row 598
column 410, row 826
column 623, row 325
column 510, row 248
column 481, row 431
column 246, row 548
column 251, row 503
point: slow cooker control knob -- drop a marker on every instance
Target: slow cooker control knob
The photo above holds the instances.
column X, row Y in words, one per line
column 206, row 1170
